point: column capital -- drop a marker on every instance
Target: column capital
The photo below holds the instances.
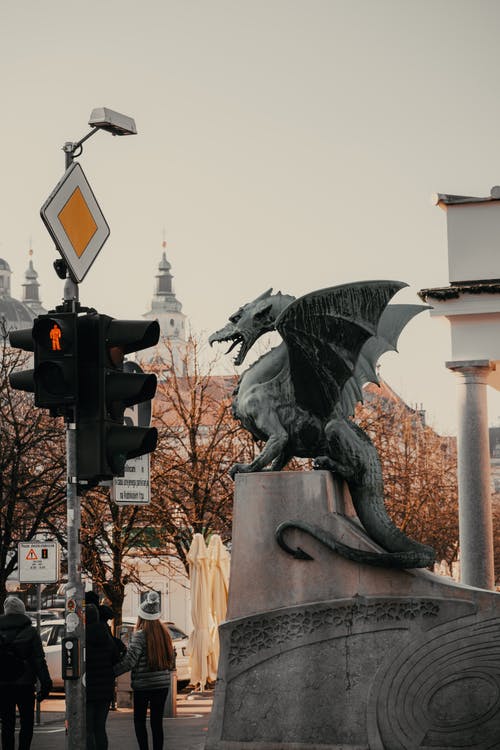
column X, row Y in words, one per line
column 471, row 366
column 473, row 370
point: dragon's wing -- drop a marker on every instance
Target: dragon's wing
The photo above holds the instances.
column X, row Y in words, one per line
column 325, row 332
column 391, row 323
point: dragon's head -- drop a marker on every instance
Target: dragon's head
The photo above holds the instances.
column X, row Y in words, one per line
column 251, row 321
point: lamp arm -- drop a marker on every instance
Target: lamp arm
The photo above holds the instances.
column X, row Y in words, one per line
column 70, row 148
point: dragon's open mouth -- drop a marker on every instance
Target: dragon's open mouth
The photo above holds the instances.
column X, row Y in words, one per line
column 236, row 339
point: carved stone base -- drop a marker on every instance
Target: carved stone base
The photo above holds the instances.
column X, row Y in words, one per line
column 345, row 656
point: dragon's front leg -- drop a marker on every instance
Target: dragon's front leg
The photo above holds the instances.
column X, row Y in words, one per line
column 267, row 424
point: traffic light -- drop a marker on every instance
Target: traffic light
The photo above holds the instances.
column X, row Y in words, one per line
column 104, row 443
column 53, row 339
column 22, row 380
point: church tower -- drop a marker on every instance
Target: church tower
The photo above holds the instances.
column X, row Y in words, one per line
column 31, row 290
column 14, row 314
column 167, row 310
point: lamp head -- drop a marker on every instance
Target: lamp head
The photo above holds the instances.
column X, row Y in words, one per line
column 114, row 122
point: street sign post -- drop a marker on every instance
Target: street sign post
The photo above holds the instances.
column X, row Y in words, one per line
column 75, row 221
column 38, row 562
column 134, row 487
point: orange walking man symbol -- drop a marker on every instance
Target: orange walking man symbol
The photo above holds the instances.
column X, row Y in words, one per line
column 55, row 337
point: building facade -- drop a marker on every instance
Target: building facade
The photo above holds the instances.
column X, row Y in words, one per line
column 17, row 314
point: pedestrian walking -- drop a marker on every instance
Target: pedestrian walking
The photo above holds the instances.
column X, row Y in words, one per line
column 22, row 663
column 105, row 614
column 101, row 655
column 150, row 657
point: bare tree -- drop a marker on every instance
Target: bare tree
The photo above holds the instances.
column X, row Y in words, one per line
column 419, row 469
column 199, row 440
column 32, row 468
column 112, row 535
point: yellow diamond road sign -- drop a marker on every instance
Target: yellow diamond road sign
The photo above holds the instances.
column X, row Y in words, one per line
column 75, row 221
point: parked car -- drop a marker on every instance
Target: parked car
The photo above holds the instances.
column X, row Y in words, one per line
column 47, row 614
column 52, row 632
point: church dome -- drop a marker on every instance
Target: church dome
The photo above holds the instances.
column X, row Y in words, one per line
column 14, row 315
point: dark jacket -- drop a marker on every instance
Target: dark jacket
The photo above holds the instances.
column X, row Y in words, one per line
column 29, row 647
column 136, row 660
column 101, row 653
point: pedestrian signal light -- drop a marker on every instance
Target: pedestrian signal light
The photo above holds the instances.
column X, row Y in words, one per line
column 53, row 339
column 55, row 374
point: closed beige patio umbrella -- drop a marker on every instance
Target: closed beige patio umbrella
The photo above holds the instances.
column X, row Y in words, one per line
column 200, row 643
column 219, row 583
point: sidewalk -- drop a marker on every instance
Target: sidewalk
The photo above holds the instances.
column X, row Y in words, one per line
column 187, row 731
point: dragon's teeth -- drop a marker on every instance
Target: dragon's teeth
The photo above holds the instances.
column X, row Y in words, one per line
column 233, row 344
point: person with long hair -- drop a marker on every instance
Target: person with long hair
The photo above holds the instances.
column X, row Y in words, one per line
column 150, row 658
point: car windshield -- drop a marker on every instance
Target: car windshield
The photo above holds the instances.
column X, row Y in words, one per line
column 45, row 631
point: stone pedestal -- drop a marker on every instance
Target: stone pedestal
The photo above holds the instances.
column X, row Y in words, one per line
column 328, row 654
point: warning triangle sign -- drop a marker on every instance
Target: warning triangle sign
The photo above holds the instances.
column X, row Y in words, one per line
column 32, row 555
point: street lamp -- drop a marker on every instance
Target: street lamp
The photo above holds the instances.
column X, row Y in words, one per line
column 101, row 118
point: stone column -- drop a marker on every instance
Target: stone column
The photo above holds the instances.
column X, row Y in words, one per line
column 474, row 490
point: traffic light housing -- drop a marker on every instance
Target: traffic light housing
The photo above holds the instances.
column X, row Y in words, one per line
column 22, row 380
column 53, row 380
column 104, row 443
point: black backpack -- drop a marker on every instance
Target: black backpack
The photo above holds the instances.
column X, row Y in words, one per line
column 11, row 663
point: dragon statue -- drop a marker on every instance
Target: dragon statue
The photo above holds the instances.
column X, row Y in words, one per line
column 300, row 396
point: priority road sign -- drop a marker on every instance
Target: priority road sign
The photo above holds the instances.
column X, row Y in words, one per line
column 38, row 562
column 75, row 221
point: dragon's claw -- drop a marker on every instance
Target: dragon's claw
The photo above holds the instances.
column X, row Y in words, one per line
column 239, row 469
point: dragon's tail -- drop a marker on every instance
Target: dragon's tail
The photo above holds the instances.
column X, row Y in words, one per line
column 420, row 557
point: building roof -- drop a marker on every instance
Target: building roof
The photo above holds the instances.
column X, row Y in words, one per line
column 456, row 290
column 14, row 313
column 450, row 200
column 216, row 389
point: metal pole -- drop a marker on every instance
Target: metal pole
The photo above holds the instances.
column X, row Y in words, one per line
column 75, row 601
column 38, row 623
column 75, row 627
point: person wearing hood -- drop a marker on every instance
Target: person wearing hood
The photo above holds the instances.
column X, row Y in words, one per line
column 105, row 614
column 24, row 664
column 101, row 653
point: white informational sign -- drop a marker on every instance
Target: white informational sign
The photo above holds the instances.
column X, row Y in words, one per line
column 133, row 487
column 38, row 562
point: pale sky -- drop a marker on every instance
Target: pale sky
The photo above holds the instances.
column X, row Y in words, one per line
column 284, row 143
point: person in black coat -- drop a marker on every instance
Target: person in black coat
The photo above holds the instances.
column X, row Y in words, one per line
column 101, row 654
column 105, row 614
column 28, row 663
